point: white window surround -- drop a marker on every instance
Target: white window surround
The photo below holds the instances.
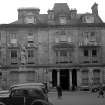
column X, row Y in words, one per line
column 88, row 19
column 62, row 20
column 12, row 35
column 89, row 36
column 30, row 19
column 14, row 41
column 30, row 38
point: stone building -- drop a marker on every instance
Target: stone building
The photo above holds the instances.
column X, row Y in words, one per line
column 62, row 47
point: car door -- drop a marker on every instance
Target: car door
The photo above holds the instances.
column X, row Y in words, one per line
column 33, row 95
column 17, row 101
column 17, row 97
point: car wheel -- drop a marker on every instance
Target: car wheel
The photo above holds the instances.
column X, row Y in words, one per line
column 1, row 103
column 39, row 102
column 95, row 90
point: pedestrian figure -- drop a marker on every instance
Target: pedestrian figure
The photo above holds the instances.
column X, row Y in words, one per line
column 73, row 88
column 101, row 93
column 46, row 87
column 59, row 91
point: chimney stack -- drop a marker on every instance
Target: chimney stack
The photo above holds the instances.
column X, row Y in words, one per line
column 95, row 9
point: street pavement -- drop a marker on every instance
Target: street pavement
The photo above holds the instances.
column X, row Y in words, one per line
column 76, row 98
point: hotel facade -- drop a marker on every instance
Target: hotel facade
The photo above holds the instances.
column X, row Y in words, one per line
column 62, row 47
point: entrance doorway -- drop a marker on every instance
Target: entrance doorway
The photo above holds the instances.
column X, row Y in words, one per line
column 74, row 79
column 64, row 79
column 54, row 78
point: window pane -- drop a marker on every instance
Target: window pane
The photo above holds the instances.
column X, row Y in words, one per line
column 14, row 53
column 86, row 53
column 63, row 20
column 57, row 53
column 96, row 77
column 29, row 19
column 85, row 78
column 94, row 52
column 13, row 35
column 30, row 53
column 30, row 34
column 63, row 53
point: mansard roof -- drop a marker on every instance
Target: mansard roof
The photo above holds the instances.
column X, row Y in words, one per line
column 61, row 7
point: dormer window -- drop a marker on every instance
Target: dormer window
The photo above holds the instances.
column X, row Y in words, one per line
column 62, row 20
column 88, row 19
column 30, row 19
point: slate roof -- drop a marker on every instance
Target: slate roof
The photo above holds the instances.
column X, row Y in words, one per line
column 15, row 22
column 60, row 8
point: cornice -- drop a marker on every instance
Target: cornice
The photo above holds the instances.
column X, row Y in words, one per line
column 49, row 25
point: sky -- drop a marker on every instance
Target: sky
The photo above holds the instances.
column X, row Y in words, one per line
column 8, row 8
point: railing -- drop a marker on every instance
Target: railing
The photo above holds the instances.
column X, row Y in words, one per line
column 63, row 59
column 89, row 44
column 14, row 61
column 90, row 60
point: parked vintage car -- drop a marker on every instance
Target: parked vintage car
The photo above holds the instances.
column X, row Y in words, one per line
column 4, row 92
column 96, row 88
column 25, row 95
column 41, row 85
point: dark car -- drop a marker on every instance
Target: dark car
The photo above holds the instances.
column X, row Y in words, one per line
column 41, row 85
column 25, row 95
column 96, row 88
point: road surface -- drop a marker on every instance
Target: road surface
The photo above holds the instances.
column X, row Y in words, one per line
column 76, row 98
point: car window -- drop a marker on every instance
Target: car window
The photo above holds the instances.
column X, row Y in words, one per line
column 36, row 93
column 27, row 92
column 17, row 93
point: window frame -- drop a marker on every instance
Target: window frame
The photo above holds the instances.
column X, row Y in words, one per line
column 94, row 54
column 86, row 55
column 62, row 20
column 30, row 53
column 14, row 54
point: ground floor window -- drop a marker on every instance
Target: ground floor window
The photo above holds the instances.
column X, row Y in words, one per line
column 85, row 77
column 54, row 78
column 96, row 76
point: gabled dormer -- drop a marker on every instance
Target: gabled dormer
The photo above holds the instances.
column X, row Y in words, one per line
column 87, row 18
